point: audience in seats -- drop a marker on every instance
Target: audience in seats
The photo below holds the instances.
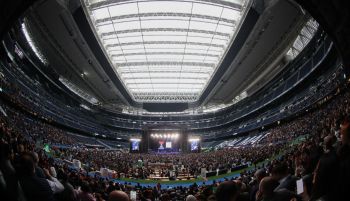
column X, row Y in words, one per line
column 322, row 161
column 285, row 180
column 268, row 191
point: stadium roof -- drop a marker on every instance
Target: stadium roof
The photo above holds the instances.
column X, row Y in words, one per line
column 165, row 51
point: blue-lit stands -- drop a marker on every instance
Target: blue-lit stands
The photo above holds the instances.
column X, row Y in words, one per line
column 239, row 141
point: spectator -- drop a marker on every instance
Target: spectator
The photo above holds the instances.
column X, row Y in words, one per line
column 118, row 195
column 267, row 191
column 68, row 194
column 344, row 160
column 191, row 198
column 259, row 175
column 281, row 174
column 85, row 193
column 227, row 191
column 38, row 170
column 35, row 188
column 323, row 176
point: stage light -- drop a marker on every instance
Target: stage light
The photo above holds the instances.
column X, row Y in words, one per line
column 193, row 139
column 135, row 139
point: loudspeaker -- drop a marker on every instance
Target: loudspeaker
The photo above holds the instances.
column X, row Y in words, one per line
column 184, row 141
column 144, row 141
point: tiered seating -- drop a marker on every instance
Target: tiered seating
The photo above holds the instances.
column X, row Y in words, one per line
column 243, row 141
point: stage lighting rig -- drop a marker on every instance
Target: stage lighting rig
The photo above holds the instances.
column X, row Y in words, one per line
column 165, row 135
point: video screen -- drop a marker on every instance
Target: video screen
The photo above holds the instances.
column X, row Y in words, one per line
column 135, row 145
column 161, row 144
column 194, row 146
column 168, row 144
column 164, row 142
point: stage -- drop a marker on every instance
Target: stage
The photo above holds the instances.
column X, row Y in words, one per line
column 162, row 139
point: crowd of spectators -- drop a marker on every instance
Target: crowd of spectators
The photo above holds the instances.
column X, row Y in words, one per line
column 41, row 133
column 320, row 164
column 294, row 129
column 190, row 164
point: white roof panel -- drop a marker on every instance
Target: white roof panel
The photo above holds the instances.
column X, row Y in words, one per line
column 165, row 51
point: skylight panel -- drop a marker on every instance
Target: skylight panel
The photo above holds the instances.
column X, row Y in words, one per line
column 100, row 13
column 106, row 28
column 167, row 46
column 163, row 38
column 224, row 29
column 230, row 14
column 198, row 39
column 167, row 49
column 123, row 9
column 126, row 26
column 166, row 6
column 219, row 42
column 204, row 9
column 127, row 40
column 159, row 23
column 203, row 26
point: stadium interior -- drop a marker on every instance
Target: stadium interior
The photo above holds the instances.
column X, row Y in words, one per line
column 175, row 100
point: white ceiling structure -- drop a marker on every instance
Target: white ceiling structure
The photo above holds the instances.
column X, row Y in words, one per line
column 165, row 51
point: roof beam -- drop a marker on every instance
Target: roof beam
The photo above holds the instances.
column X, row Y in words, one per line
column 164, row 53
column 139, row 15
column 165, row 43
column 166, row 63
column 163, row 71
column 155, row 78
column 141, row 83
column 102, row 4
column 165, row 30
